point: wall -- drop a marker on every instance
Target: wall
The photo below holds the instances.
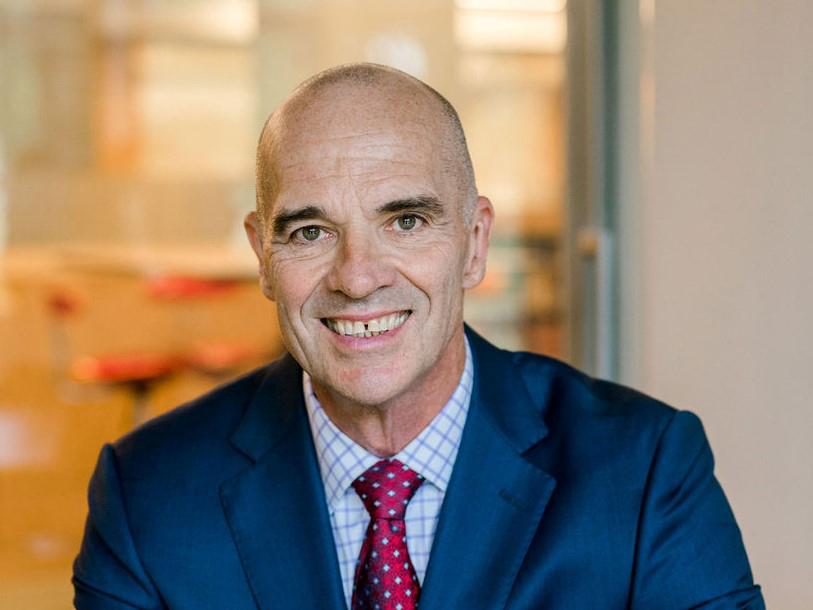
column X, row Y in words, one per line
column 716, row 194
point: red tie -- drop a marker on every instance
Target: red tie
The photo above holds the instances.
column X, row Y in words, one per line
column 385, row 578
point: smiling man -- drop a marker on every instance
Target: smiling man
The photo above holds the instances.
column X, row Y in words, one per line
column 393, row 457
column 369, row 230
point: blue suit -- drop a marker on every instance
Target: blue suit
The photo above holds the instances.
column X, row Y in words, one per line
column 568, row 493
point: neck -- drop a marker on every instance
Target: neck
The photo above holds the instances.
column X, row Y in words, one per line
column 387, row 428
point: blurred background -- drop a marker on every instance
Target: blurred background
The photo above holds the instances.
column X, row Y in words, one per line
column 649, row 161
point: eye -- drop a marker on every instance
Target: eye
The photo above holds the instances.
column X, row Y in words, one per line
column 408, row 222
column 309, row 233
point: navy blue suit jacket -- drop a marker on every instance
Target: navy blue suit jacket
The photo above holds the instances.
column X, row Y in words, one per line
column 568, row 493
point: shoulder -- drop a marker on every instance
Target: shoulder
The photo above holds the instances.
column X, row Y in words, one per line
column 204, row 415
column 561, row 381
column 600, row 413
column 195, row 433
column 180, row 458
column 567, row 399
column 604, row 435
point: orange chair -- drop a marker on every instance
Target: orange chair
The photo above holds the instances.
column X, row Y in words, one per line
column 217, row 359
column 140, row 372
column 137, row 372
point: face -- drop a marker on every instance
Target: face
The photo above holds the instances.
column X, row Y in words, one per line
column 366, row 253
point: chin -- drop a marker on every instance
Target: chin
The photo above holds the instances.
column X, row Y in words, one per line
column 373, row 394
column 369, row 387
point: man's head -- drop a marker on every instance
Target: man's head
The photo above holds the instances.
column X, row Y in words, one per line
column 378, row 78
column 368, row 230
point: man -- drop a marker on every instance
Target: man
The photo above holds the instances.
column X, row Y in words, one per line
column 395, row 457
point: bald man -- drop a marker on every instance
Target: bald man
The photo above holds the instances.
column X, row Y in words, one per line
column 393, row 458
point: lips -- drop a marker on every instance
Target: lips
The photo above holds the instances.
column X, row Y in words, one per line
column 367, row 328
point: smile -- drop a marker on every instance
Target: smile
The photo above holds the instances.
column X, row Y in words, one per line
column 368, row 328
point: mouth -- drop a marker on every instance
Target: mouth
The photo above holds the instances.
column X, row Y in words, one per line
column 367, row 328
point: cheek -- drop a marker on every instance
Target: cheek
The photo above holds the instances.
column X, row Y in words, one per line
column 436, row 270
column 441, row 260
column 292, row 282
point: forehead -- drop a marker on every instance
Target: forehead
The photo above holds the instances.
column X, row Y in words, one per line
column 374, row 143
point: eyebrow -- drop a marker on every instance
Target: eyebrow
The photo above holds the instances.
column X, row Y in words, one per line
column 423, row 203
column 283, row 220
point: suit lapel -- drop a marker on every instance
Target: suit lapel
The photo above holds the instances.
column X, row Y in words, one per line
column 496, row 498
column 276, row 509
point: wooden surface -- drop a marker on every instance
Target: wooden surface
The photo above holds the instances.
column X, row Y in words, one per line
column 52, row 427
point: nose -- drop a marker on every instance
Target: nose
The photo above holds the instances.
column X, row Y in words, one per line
column 359, row 267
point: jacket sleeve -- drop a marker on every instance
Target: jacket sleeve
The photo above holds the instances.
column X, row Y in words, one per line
column 689, row 551
column 107, row 573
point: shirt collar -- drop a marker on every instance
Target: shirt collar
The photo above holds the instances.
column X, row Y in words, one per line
column 431, row 454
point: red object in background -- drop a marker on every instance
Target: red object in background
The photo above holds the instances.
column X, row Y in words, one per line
column 124, row 368
column 183, row 287
column 217, row 358
column 139, row 372
column 62, row 303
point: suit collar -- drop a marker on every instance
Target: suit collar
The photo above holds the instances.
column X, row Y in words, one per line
column 511, row 397
column 497, row 497
column 270, row 413
column 276, row 508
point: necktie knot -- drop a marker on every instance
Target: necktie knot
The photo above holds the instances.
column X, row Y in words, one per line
column 386, row 488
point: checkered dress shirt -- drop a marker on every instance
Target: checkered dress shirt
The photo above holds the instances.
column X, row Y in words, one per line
column 431, row 454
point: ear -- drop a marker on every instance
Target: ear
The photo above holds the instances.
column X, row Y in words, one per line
column 256, row 237
column 478, row 236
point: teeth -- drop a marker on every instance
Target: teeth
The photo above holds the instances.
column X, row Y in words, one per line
column 372, row 328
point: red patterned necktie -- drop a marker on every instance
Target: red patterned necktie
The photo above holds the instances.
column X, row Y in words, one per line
column 385, row 578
